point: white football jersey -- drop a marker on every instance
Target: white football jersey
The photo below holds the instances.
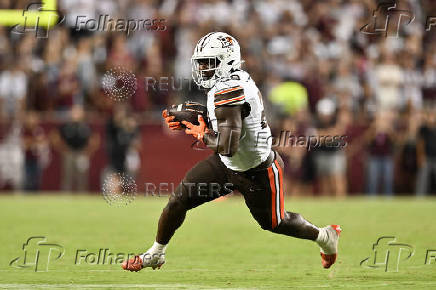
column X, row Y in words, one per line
column 255, row 141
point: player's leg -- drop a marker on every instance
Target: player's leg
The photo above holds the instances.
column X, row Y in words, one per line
column 203, row 183
column 264, row 198
column 263, row 193
column 206, row 181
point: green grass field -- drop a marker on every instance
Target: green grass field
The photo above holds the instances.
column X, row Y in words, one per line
column 219, row 245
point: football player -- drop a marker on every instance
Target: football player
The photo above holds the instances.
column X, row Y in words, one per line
column 243, row 159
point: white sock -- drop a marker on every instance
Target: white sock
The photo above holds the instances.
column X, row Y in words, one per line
column 322, row 236
column 157, row 248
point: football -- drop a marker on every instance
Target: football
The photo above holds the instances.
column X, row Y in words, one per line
column 188, row 111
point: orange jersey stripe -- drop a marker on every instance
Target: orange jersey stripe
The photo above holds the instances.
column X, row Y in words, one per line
column 282, row 202
column 273, row 197
column 229, row 100
column 228, row 90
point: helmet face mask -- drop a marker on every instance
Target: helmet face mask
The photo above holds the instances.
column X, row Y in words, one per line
column 204, row 69
column 215, row 56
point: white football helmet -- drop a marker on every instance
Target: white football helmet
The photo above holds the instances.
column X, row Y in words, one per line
column 223, row 54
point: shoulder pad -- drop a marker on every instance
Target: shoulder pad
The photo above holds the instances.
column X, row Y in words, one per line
column 226, row 83
column 235, row 77
column 240, row 75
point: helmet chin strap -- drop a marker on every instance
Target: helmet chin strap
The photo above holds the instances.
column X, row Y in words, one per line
column 237, row 65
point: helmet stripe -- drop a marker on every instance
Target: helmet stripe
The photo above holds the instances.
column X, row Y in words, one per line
column 203, row 43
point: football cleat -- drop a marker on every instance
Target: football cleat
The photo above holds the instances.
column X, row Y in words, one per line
column 329, row 250
column 136, row 263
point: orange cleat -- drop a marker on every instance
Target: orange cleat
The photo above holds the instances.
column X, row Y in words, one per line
column 328, row 260
column 133, row 265
column 137, row 263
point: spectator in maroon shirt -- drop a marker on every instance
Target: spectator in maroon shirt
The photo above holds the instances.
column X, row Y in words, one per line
column 68, row 87
column 119, row 55
column 380, row 139
column 35, row 147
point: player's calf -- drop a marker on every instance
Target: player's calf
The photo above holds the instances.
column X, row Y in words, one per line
column 327, row 238
column 296, row 226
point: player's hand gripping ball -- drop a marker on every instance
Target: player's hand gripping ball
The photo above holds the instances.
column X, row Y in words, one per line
column 188, row 111
column 173, row 125
column 197, row 131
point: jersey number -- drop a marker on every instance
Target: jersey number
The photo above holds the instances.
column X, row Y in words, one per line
column 263, row 122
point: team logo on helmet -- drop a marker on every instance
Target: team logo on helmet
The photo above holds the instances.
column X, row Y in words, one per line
column 226, row 41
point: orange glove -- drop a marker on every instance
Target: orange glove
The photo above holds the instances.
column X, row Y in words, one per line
column 197, row 131
column 168, row 119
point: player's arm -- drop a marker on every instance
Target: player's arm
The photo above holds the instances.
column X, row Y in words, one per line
column 228, row 111
column 226, row 140
column 229, row 123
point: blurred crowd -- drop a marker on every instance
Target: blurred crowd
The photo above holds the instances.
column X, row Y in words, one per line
column 319, row 74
